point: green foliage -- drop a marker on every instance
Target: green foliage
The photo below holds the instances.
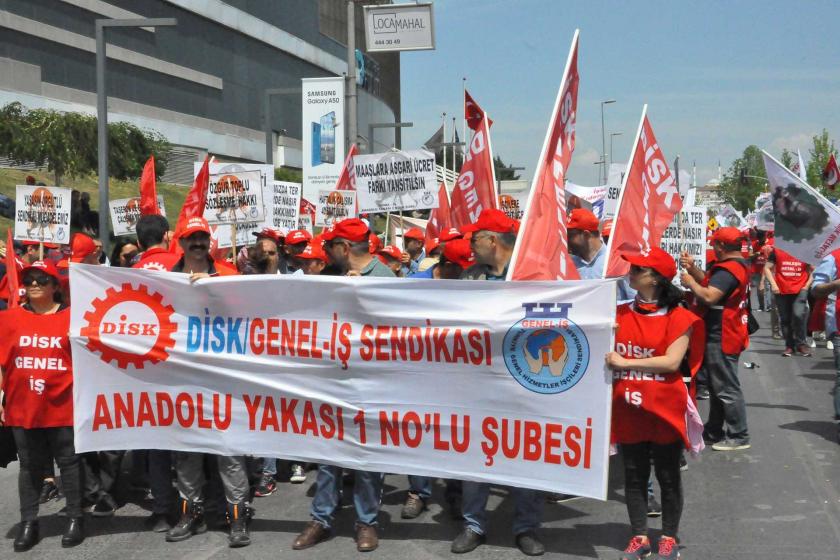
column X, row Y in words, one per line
column 742, row 196
column 822, row 150
column 288, row 174
column 66, row 143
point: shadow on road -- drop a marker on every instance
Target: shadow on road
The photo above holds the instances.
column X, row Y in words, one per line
column 822, row 428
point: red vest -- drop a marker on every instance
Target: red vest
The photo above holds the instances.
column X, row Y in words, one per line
column 649, row 406
column 836, row 255
column 733, row 334
column 157, row 259
column 37, row 368
column 790, row 273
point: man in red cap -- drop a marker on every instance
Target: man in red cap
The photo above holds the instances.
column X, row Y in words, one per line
column 347, row 244
column 721, row 294
column 585, row 245
column 492, row 241
column 413, row 241
column 392, row 257
column 84, row 249
column 196, row 261
column 295, row 242
column 312, row 260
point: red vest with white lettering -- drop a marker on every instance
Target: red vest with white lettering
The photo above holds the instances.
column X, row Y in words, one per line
column 157, row 259
column 790, row 273
column 652, row 406
column 733, row 333
column 37, row 368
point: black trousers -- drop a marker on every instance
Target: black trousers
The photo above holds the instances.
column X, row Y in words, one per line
column 36, row 450
column 666, row 463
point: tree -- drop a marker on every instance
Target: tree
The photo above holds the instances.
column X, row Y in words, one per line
column 822, row 150
column 288, row 174
column 503, row 172
column 739, row 186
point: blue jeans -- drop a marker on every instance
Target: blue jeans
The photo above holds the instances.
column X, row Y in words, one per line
column 270, row 466
column 727, row 409
column 367, row 494
column 420, row 485
column 835, row 339
column 527, row 514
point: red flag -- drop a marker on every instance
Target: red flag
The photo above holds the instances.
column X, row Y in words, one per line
column 10, row 281
column 473, row 113
column 195, row 201
column 646, row 205
column 439, row 218
column 831, row 173
column 347, row 178
column 475, row 188
column 542, row 248
column 148, row 190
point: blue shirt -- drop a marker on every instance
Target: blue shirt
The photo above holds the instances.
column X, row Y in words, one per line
column 594, row 270
column 428, row 273
column 826, row 272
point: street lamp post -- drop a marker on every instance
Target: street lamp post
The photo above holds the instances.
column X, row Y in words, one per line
column 102, row 110
column 269, row 134
column 604, row 138
column 373, row 126
column 613, row 135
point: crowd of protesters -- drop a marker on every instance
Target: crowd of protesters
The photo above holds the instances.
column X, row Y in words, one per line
column 693, row 337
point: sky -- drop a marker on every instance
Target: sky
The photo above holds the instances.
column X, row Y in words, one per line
column 717, row 76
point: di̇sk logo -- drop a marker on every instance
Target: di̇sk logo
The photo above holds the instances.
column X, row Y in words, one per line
column 545, row 351
column 130, row 326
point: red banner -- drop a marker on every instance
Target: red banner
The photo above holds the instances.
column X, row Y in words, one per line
column 148, row 189
column 542, row 249
column 347, row 178
column 194, row 203
column 831, row 173
column 473, row 113
column 9, row 285
column 475, row 188
column 439, row 218
column 646, row 206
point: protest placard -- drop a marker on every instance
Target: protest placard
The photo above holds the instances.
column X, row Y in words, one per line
column 282, row 205
column 42, row 214
column 234, row 197
column 350, row 373
column 126, row 211
column 397, row 180
column 692, row 239
column 334, row 206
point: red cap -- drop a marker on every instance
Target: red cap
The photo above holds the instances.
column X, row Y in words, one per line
column 392, row 251
column 375, row 243
column 195, row 224
column 82, row 246
column 492, row 219
column 450, row 234
column 351, row 229
column 728, row 235
column 269, row 233
column 415, row 233
column 581, row 218
column 313, row 251
column 459, row 252
column 36, row 243
column 47, row 267
column 432, row 244
column 298, row 236
column 606, row 227
column 657, row 259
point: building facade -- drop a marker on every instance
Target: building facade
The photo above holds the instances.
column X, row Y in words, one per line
column 201, row 83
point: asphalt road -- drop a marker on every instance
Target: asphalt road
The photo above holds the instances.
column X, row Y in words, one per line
column 778, row 500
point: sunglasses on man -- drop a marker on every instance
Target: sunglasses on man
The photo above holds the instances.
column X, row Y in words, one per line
column 38, row 278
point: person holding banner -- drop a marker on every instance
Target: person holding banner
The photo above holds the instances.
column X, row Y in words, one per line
column 790, row 279
column 194, row 241
column 36, row 375
column 312, row 260
column 391, row 256
column 825, row 285
column 347, row 244
column 492, row 241
column 650, row 400
column 721, row 296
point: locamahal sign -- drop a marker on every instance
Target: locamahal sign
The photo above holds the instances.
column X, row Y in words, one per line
column 399, row 27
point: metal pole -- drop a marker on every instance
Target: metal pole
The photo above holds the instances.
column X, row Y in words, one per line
column 603, row 147
column 370, row 138
column 352, row 123
column 102, row 135
column 269, row 137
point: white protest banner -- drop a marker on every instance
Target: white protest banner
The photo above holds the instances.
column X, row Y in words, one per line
column 126, row 211
column 349, row 372
column 222, row 234
column 234, row 197
column 305, row 222
column 323, row 133
column 693, row 238
column 615, row 179
column 397, row 180
column 594, row 197
column 513, row 204
column 729, row 217
column 807, row 225
column 765, row 217
column 334, row 206
column 282, row 205
column 42, row 214
column 218, row 168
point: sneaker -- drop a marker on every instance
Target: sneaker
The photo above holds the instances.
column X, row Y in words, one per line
column 298, row 475
column 777, row 335
column 829, row 345
column 788, row 352
column 106, row 506
column 683, row 463
column 702, row 394
column 638, row 547
column 267, row 487
column 49, row 491
column 668, row 549
column 804, row 351
column 731, row 445
column 654, row 509
column 812, row 343
column 560, row 498
column 413, row 507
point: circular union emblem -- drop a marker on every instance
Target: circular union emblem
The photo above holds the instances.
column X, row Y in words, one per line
column 546, row 356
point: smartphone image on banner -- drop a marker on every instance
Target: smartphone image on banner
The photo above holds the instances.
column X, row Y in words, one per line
column 316, row 144
column 328, row 138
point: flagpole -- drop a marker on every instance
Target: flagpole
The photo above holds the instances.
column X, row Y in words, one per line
column 444, row 151
column 463, row 102
column 623, row 187
column 454, row 147
column 492, row 163
column 523, row 224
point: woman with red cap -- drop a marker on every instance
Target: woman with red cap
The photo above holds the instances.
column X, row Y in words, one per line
column 650, row 401
column 37, row 377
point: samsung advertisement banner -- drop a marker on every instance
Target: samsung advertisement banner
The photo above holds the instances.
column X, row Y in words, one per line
column 323, row 133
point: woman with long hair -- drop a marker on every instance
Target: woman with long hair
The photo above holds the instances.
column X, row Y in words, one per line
column 36, row 373
column 654, row 334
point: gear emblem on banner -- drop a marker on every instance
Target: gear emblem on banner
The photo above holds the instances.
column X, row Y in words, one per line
column 127, row 294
